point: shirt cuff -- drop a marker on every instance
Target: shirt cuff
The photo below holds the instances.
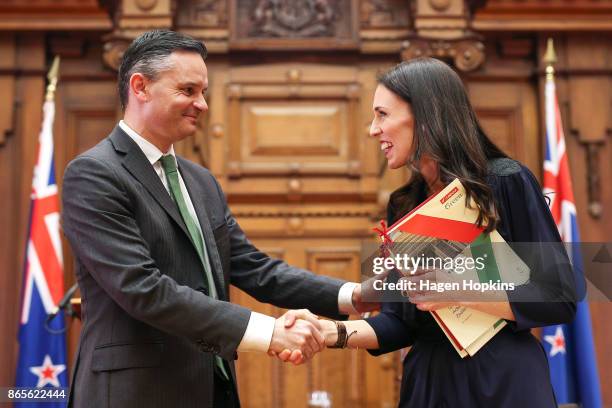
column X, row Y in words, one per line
column 258, row 334
column 345, row 298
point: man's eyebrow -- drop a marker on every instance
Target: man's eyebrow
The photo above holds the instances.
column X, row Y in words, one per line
column 191, row 83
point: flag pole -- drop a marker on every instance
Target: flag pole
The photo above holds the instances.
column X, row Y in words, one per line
column 52, row 77
column 550, row 58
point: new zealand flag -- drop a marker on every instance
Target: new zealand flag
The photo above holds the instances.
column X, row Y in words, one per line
column 42, row 346
column 571, row 355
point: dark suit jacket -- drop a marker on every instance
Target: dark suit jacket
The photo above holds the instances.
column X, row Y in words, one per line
column 149, row 329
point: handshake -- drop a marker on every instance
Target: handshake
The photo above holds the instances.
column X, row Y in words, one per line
column 299, row 334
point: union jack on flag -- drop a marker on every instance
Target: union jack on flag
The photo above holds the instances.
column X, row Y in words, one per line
column 570, row 350
column 42, row 347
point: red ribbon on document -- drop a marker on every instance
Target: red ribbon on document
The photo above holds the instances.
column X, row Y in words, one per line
column 383, row 233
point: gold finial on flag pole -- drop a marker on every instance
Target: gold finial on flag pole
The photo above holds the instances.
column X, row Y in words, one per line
column 52, row 77
column 550, row 58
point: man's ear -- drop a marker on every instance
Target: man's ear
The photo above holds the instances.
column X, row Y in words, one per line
column 139, row 87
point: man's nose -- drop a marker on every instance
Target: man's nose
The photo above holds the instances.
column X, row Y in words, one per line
column 200, row 104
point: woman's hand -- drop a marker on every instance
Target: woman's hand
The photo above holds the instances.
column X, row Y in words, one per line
column 429, row 288
column 437, row 292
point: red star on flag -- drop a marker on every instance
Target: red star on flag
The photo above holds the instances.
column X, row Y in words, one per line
column 557, row 342
column 47, row 373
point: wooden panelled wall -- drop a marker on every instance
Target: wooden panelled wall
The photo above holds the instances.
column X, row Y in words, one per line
column 299, row 171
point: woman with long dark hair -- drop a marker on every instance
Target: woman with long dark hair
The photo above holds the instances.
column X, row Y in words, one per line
column 423, row 119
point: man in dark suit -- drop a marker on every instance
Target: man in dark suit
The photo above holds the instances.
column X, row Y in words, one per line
column 156, row 248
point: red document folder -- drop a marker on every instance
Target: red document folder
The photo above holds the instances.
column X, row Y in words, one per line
column 444, row 225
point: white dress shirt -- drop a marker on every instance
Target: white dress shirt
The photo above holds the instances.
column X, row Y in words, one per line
column 260, row 328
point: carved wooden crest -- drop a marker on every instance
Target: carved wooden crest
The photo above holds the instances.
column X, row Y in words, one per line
column 293, row 24
column 301, row 18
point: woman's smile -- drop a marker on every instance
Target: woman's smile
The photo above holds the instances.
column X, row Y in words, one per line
column 386, row 147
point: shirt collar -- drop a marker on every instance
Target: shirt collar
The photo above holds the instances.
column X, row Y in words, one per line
column 151, row 151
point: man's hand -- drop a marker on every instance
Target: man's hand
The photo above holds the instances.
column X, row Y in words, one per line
column 297, row 337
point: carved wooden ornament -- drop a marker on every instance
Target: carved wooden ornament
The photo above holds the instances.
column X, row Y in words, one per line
column 297, row 24
column 466, row 55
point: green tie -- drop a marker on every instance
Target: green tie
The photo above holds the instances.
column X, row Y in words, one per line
column 169, row 164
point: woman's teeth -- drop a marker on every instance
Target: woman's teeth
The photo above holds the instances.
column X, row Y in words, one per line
column 385, row 145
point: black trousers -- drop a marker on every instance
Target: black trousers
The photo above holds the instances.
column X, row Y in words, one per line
column 225, row 395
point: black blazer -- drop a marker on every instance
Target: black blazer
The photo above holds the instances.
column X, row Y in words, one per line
column 511, row 370
column 149, row 329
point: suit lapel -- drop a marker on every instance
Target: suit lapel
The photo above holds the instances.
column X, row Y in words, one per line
column 137, row 164
column 197, row 195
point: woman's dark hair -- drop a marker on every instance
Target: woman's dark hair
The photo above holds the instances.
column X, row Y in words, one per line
column 148, row 54
column 447, row 130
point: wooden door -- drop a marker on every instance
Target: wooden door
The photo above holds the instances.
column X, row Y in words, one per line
column 293, row 156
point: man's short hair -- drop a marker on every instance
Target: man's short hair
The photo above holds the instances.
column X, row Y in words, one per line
column 148, row 54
